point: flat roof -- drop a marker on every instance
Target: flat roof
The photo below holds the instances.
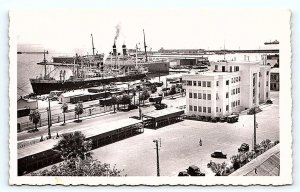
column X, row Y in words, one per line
column 163, row 112
column 36, row 148
column 212, row 74
column 107, row 127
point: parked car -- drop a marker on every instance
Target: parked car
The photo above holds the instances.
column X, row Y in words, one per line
column 193, row 170
column 269, row 101
column 223, row 119
column 130, row 107
column 135, row 117
column 160, row 106
column 232, row 118
column 244, row 148
column 183, row 173
column 218, row 154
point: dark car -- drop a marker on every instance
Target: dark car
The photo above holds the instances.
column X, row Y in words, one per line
column 160, row 106
column 269, row 101
column 232, row 118
column 183, row 173
column 219, row 154
column 130, row 107
column 244, row 148
column 193, row 170
column 223, row 119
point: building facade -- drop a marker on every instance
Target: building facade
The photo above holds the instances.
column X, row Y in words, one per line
column 274, row 79
column 231, row 87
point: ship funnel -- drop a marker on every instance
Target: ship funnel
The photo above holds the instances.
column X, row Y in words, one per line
column 124, row 49
column 114, row 49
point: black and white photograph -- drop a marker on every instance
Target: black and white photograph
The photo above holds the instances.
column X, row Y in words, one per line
column 150, row 97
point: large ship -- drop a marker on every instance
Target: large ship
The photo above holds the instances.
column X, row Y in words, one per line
column 86, row 71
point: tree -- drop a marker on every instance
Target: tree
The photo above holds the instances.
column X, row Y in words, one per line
column 73, row 145
column 144, row 95
column 126, row 100
column 35, row 117
column 173, row 90
column 64, row 108
column 86, row 167
column 78, row 109
column 114, row 100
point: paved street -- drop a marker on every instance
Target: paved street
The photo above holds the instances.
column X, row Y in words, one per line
column 180, row 143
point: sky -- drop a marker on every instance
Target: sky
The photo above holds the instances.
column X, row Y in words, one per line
column 69, row 31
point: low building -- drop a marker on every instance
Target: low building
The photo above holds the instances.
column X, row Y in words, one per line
column 232, row 87
column 274, row 79
column 27, row 103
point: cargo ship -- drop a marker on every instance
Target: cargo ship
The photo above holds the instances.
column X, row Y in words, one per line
column 87, row 71
column 93, row 70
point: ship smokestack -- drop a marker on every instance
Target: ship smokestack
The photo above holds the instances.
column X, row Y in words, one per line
column 124, row 49
column 114, row 49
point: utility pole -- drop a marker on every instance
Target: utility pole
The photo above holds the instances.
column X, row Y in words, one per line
column 145, row 46
column 157, row 155
column 49, row 119
column 254, row 137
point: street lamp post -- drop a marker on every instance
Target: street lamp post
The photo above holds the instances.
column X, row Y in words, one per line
column 157, row 157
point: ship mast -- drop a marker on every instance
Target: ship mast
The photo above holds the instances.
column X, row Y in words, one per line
column 45, row 65
column 145, row 46
column 93, row 44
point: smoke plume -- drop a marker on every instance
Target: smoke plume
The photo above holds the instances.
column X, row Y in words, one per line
column 118, row 28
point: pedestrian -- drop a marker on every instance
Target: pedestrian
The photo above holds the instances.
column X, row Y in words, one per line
column 200, row 142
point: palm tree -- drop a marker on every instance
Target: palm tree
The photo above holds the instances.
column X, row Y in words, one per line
column 78, row 109
column 73, row 145
column 144, row 96
column 35, row 116
column 64, row 108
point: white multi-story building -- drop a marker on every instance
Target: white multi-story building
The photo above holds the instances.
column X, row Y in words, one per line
column 230, row 87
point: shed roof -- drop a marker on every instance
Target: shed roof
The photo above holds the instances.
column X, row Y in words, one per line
column 36, row 148
column 164, row 112
column 107, row 127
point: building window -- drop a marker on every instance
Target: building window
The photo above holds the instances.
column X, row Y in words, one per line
column 267, row 72
column 239, row 78
column 237, row 68
column 190, row 95
column 216, row 67
column 209, row 109
column 217, row 83
column 230, row 68
column 233, row 91
column 227, row 94
column 217, row 96
column 199, row 83
column 223, row 68
column 259, row 74
column 217, row 109
column 195, row 95
column 239, row 102
column 191, row 108
column 267, row 94
column 199, row 96
column 267, row 83
column 231, row 80
column 195, row 83
column 208, row 96
column 200, row 109
column 239, row 90
column 204, row 83
column 227, row 107
column 227, row 82
column 189, row 83
column 208, row 84
column 204, row 96
column 195, row 108
column 204, row 109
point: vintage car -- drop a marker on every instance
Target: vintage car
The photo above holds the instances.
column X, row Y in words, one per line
column 160, row 106
column 183, row 173
column 232, row 118
column 193, row 170
column 218, row 154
